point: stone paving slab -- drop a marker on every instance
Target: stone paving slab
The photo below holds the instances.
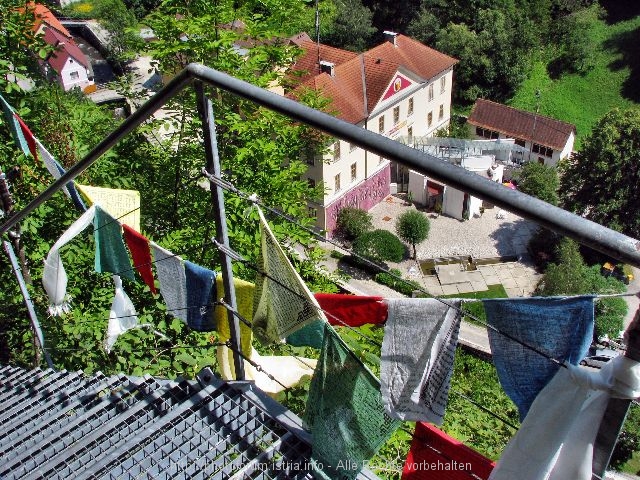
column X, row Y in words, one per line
column 449, row 289
column 465, row 287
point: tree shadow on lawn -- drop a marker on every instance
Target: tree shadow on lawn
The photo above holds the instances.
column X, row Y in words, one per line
column 626, row 44
column 620, row 10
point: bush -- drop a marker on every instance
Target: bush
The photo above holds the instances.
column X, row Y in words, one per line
column 353, row 222
column 379, row 246
column 406, row 287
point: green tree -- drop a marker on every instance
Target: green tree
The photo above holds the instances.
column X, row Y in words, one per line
column 351, row 28
column 600, row 181
column 424, row 27
column 353, row 222
column 538, row 180
column 413, row 227
column 121, row 23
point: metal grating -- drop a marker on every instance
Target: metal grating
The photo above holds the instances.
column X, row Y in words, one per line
column 65, row 425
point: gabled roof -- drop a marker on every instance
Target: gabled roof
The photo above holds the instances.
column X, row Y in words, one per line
column 360, row 80
column 61, row 425
column 65, row 48
column 44, row 15
column 521, row 124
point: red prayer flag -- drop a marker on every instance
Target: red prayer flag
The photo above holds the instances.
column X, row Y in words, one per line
column 28, row 136
column 434, row 455
column 352, row 310
column 141, row 253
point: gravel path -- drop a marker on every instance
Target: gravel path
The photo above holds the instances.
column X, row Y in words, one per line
column 486, row 236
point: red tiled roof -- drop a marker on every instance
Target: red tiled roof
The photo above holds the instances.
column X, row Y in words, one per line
column 432, row 448
column 44, row 15
column 65, row 48
column 516, row 123
column 373, row 70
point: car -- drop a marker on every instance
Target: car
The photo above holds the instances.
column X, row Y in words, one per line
column 599, row 359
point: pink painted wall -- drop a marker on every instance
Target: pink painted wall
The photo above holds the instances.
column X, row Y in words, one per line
column 365, row 196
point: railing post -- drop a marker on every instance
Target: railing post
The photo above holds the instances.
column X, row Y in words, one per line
column 205, row 110
column 617, row 409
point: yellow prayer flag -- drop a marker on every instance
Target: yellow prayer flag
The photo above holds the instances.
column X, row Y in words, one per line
column 123, row 205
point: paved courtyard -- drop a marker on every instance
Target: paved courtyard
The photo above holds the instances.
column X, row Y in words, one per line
column 480, row 237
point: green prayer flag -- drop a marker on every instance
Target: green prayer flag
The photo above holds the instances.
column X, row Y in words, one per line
column 344, row 411
column 111, row 254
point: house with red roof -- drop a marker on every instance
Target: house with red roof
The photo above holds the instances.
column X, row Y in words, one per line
column 546, row 139
column 400, row 88
column 44, row 18
column 67, row 65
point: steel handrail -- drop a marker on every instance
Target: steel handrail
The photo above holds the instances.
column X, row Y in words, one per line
column 603, row 239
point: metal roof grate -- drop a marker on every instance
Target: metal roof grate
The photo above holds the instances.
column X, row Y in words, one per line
column 65, row 425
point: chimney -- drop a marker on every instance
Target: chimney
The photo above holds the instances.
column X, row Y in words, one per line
column 328, row 67
column 390, row 36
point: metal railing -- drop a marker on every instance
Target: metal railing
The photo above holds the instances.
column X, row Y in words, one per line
column 598, row 237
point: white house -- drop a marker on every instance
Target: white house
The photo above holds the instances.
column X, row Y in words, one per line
column 400, row 88
column 546, row 139
column 67, row 64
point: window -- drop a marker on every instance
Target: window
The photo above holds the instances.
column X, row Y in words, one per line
column 312, row 212
column 336, row 151
column 337, row 183
column 431, row 92
column 352, row 147
column 396, row 115
column 542, row 150
column 429, row 119
column 410, row 107
column 381, row 124
column 410, row 134
column 309, row 157
column 520, row 142
column 441, row 113
column 74, row 75
column 443, row 84
column 354, row 172
column 311, row 182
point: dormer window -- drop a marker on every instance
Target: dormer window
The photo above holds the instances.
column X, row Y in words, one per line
column 328, row 67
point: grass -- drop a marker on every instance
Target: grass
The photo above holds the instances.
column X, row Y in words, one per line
column 584, row 99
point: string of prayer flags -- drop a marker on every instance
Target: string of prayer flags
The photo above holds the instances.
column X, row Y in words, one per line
column 172, row 280
column 111, row 253
column 244, row 302
column 352, row 310
column 282, row 302
column 11, row 119
column 561, row 328
column 121, row 204
column 434, row 455
column 141, row 253
column 54, row 277
column 308, row 336
column 344, row 412
column 56, row 170
column 199, row 282
column 555, row 441
column 28, row 136
column 122, row 315
column 416, row 361
column 288, row 370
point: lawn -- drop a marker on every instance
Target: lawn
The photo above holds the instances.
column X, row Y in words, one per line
column 584, row 99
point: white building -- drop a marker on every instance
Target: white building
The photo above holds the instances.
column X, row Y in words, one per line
column 400, row 88
column 546, row 139
column 67, row 64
